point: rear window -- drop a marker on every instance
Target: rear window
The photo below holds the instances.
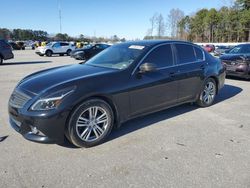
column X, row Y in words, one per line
column 245, row 49
column 199, row 54
column 185, row 53
column 64, row 44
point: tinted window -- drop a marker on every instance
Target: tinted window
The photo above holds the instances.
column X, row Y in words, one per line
column 235, row 50
column 185, row 53
column 98, row 46
column 161, row 56
column 64, row 44
column 56, row 45
column 199, row 54
column 245, row 49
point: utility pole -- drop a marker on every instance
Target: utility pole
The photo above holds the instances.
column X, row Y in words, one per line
column 60, row 15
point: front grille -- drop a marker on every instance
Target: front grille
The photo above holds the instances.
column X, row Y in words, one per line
column 18, row 99
column 231, row 63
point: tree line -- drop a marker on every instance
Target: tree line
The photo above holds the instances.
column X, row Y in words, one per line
column 23, row 34
column 39, row 35
column 228, row 24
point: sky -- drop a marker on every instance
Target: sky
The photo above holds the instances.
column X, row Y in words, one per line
column 100, row 18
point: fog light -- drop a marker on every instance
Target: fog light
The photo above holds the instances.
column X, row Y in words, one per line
column 34, row 130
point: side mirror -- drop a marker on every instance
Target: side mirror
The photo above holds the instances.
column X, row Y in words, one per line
column 147, row 67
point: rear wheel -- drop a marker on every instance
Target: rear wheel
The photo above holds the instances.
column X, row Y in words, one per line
column 90, row 123
column 208, row 93
column 48, row 53
column 1, row 60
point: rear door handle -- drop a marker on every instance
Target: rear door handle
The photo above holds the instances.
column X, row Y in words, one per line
column 172, row 74
column 202, row 67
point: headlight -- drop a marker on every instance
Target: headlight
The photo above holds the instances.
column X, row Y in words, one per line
column 80, row 52
column 51, row 101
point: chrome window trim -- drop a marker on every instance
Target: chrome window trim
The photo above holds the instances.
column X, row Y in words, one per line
column 175, row 63
column 194, row 46
column 140, row 62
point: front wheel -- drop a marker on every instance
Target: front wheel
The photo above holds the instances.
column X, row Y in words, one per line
column 1, row 60
column 207, row 95
column 48, row 53
column 90, row 123
column 68, row 52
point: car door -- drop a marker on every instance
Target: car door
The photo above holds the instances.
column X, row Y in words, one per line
column 5, row 50
column 96, row 49
column 64, row 47
column 245, row 50
column 152, row 91
column 56, row 48
column 191, row 67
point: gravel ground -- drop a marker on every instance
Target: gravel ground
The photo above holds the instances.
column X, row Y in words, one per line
column 183, row 146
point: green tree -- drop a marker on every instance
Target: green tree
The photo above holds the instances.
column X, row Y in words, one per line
column 61, row 36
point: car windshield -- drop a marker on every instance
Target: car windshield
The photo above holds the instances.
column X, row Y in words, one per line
column 87, row 46
column 49, row 44
column 118, row 56
column 235, row 50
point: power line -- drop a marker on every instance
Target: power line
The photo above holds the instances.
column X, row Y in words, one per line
column 60, row 14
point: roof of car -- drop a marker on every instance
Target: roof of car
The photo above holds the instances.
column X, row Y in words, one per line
column 153, row 42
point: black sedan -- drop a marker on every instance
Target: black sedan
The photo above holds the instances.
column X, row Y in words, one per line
column 88, row 51
column 237, row 61
column 84, row 102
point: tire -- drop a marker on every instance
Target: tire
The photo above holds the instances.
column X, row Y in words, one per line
column 83, row 129
column 48, row 53
column 1, row 60
column 208, row 93
column 61, row 54
column 68, row 52
column 41, row 55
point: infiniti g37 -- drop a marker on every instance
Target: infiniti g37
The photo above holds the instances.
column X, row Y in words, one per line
column 84, row 102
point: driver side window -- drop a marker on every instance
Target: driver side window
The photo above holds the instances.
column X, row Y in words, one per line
column 161, row 56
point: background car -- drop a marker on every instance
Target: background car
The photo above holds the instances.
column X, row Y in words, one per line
column 5, row 51
column 220, row 50
column 17, row 45
column 88, row 51
column 85, row 101
column 237, row 62
column 51, row 48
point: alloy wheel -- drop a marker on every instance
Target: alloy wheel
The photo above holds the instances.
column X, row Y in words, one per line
column 92, row 123
column 209, row 93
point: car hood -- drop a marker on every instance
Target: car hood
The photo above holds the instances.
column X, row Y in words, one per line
column 42, row 80
column 81, row 50
column 231, row 57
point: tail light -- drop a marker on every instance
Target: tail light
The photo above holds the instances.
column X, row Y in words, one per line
column 7, row 46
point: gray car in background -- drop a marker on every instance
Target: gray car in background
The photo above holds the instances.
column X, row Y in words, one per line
column 5, row 51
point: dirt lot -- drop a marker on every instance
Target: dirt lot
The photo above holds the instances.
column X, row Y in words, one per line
column 184, row 146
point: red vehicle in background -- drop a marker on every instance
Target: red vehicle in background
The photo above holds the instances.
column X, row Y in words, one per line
column 209, row 48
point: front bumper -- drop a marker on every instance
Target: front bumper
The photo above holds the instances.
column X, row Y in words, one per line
column 9, row 56
column 245, row 75
column 38, row 128
column 39, row 53
column 78, row 56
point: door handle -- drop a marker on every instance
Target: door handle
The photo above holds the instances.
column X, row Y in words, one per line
column 202, row 67
column 172, row 74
